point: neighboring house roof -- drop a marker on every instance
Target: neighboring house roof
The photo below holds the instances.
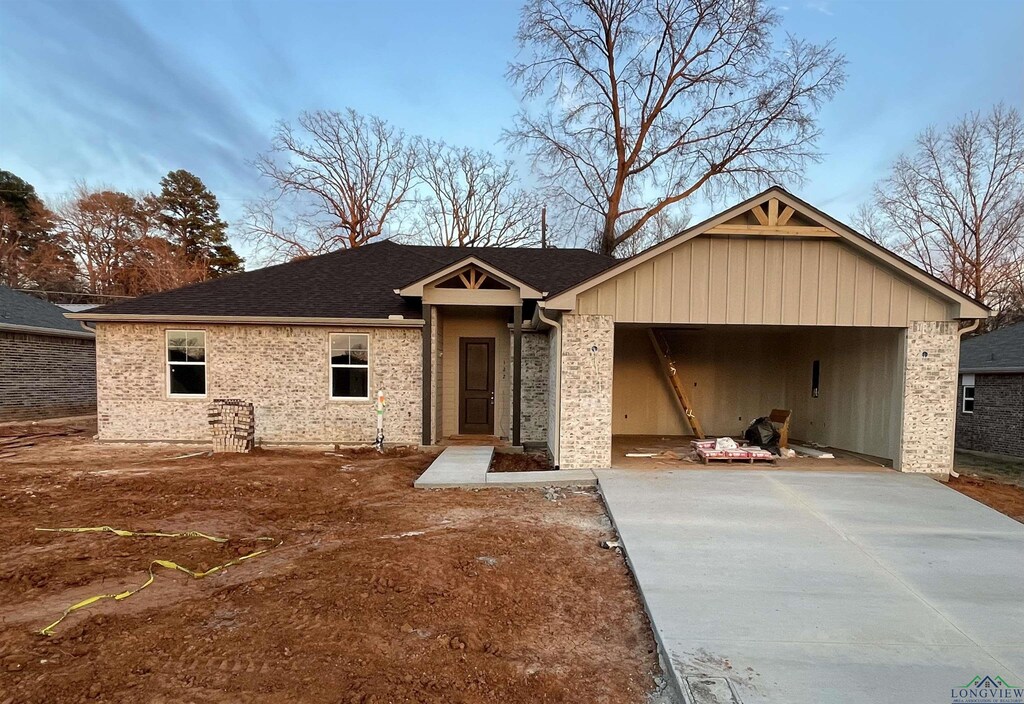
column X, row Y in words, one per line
column 20, row 312
column 1000, row 351
column 969, row 307
column 355, row 283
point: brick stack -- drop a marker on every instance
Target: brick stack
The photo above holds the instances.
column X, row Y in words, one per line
column 233, row 424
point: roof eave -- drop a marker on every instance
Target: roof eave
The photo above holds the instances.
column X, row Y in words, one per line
column 53, row 332
column 991, row 370
column 398, row 322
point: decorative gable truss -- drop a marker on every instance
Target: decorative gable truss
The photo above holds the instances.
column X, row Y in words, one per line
column 772, row 218
column 473, row 278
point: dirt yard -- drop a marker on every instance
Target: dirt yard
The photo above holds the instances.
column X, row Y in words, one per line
column 1004, row 498
column 993, row 480
column 519, row 462
column 379, row 592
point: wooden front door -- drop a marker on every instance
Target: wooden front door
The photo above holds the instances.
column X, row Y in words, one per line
column 476, row 385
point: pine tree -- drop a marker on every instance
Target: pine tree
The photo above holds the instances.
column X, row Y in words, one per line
column 31, row 253
column 189, row 215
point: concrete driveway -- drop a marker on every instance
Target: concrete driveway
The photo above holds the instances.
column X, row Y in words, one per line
column 800, row 587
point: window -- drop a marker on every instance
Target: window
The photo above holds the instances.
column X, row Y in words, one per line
column 968, row 406
column 350, row 366
column 186, row 363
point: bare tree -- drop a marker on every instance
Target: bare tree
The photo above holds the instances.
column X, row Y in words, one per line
column 101, row 229
column 658, row 229
column 473, row 199
column 642, row 103
column 339, row 179
column 156, row 264
column 955, row 205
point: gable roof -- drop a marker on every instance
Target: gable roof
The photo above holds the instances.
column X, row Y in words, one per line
column 823, row 225
column 1001, row 350
column 355, row 283
column 415, row 288
column 20, row 312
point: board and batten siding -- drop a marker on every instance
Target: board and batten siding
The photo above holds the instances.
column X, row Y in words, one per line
column 763, row 281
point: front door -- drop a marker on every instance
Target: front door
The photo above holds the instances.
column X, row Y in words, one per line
column 476, row 385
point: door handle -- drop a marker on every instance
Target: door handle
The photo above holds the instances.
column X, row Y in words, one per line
column 492, row 398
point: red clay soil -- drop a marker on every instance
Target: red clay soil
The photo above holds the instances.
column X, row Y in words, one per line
column 380, row 593
column 1005, row 498
column 519, row 462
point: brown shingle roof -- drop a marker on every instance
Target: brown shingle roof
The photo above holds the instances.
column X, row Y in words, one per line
column 357, row 283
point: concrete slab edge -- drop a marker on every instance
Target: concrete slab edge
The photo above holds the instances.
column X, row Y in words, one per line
column 672, row 677
column 569, row 477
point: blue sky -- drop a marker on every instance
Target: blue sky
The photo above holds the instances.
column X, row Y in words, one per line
column 119, row 93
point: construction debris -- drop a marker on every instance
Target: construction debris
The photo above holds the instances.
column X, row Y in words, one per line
column 166, row 564
column 9, row 444
column 811, row 452
column 709, row 451
column 233, row 424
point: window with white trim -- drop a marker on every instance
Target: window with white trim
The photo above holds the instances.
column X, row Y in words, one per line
column 968, row 405
column 186, row 363
column 967, row 393
column 350, row 366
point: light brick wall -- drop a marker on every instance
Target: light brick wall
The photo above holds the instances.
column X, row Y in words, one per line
column 282, row 370
column 929, row 398
column 45, row 376
column 534, row 420
column 587, row 353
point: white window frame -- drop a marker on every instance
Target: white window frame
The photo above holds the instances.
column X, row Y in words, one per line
column 331, row 366
column 168, row 362
column 964, row 399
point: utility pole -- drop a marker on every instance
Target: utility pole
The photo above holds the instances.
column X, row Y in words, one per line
column 543, row 227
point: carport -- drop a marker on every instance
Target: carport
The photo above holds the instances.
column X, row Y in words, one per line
column 771, row 304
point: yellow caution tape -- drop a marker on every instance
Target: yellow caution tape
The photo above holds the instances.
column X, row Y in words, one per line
column 167, row 564
column 129, row 533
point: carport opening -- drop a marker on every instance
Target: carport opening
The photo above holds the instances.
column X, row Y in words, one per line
column 842, row 385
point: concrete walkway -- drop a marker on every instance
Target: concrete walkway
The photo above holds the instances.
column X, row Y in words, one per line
column 457, row 466
column 807, row 588
column 465, row 467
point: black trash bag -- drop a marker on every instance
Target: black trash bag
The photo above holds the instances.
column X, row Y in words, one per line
column 762, row 433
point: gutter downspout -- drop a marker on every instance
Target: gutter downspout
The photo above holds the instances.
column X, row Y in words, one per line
column 963, row 331
column 557, row 445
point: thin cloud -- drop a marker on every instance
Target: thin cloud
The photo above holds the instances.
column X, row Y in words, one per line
column 822, row 6
column 125, row 101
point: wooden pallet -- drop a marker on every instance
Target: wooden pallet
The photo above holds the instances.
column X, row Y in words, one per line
column 738, row 460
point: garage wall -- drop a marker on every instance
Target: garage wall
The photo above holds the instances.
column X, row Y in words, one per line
column 733, row 376
column 730, row 377
column 861, row 392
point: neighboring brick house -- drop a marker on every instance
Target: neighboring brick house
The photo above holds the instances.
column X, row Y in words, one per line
column 990, row 401
column 769, row 304
column 47, row 362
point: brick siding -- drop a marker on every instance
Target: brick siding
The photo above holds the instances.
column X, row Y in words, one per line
column 282, row 370
column 44, row 376
column 929, row 396
column 997, row 424
column 534, row 411
column 587, row 351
